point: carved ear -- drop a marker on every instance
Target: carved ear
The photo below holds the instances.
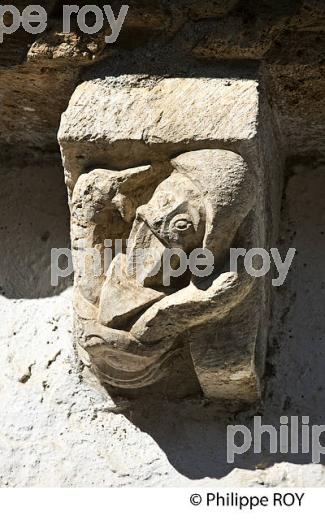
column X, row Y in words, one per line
column 228, row 188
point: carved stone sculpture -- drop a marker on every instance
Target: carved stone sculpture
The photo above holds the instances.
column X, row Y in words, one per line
column 131, row 326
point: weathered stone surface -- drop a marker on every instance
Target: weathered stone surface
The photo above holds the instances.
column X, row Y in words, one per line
column 14, row 48
column 231, row 37
column 60, row 429
column 207, row 9
column 310, row 16
column 166, row 29
column 50, row 404
column 122, row 297
column 142, row 15
column 295, row 84
column 211, row 198
column 164, row 109
column 53, row 44
column 155, row 119
column 298, row 48
column 32, row 102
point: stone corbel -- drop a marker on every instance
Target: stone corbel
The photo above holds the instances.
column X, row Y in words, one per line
column 181, row 162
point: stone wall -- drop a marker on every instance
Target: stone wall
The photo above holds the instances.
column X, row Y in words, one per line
column 60, row 427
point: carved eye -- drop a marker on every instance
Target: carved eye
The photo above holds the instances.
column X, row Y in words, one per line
column 182, row 224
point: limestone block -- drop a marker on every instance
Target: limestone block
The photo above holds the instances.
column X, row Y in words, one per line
column 212, row 183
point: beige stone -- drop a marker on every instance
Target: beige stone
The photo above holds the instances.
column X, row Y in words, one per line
column 207, row 183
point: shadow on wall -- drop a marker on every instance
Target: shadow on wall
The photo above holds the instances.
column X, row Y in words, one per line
column 34, row 218
column 193, row 434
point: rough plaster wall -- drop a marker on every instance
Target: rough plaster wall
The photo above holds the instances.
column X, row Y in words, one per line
column 34, row 218
column 57, row 426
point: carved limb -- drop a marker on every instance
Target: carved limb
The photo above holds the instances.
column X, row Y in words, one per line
column 148, row 360
column 190, row 307
column 156, row 330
